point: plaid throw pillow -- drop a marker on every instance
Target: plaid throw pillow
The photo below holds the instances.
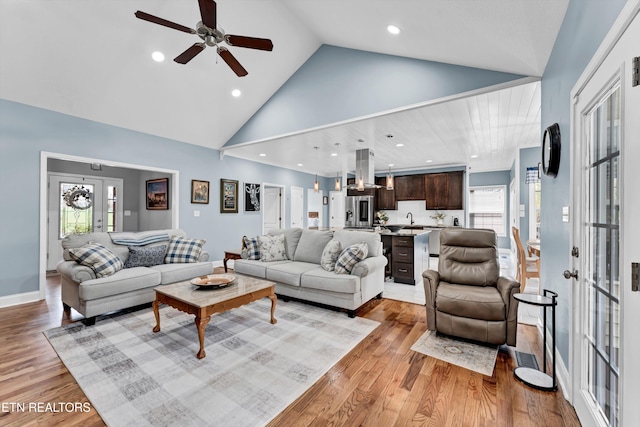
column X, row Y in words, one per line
column 251, row 248
column 183, row 250
column 97, row 257
column 350, row 257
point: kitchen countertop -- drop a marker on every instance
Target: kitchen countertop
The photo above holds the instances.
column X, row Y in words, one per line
column 403, row 232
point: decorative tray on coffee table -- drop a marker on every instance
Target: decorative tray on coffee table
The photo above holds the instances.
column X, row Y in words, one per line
column 214, row 281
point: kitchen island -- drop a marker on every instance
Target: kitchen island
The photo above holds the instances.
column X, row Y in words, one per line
column 407, row 251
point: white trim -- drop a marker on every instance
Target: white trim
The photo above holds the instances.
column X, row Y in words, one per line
column 44, row 192
column 475, row 92
column 16, row 299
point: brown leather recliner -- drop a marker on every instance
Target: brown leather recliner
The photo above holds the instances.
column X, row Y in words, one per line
column 466, row 297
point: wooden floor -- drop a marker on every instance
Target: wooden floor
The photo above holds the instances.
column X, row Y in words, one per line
column 380, row 383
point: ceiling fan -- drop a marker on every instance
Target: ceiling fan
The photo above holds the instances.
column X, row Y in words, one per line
column 211, row 35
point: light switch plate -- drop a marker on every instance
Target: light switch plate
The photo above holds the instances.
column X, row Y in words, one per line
column 196, row 213
column 127, row 213
column 565, row 214
column 522, row 214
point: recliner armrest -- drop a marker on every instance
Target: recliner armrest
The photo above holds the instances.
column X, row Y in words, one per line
column 507, row 287
column 431, row 280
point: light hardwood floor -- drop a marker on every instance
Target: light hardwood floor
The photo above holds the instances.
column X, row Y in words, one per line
column 380, row 383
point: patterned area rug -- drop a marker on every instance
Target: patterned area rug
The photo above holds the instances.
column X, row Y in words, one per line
column 475, row 357
column 252, row 372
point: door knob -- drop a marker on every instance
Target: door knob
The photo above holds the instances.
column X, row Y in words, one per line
column 568, row 274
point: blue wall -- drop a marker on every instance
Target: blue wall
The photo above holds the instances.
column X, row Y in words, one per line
column 337, row 84
column 26, row 131
column 478, row 179
column 585, row 25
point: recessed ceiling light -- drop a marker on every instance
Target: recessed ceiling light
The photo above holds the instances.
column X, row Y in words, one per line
column 429, row 161
column 157, row 56
column 263, row 155
column 399, row 145
column 391, row 165
column 236, row 93
column 474, row 156
column 334, row 154
column 393, row 29
column 300, row 164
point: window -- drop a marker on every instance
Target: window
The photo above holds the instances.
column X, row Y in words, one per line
column 487, row 208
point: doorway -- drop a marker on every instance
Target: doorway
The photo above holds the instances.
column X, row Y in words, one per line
column 297, row 207
column 273, row 203
column 604, row 347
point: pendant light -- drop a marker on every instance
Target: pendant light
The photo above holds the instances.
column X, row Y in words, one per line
column 389, row 180
column 338, row 183
column 316, row 185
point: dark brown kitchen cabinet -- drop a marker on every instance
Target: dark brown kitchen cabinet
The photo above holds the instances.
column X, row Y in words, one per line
column 385, row 199
column 444, row 190
column 409, row 257
column 409, row 187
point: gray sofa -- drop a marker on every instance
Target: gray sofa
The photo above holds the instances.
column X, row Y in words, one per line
column 302, row 277
column 129, row 287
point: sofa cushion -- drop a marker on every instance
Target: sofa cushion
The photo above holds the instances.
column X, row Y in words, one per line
column 289, row 273
column 330, row 255
column 98, row 257
column 350, row 257
column 141, row 238
column 291, row 239
column 272, row 248
column 182, row 250
column 254, row 268
column 319, row 278
column 475, row 302
column 350, row 237
column 171, row 273
column 127, row 280
column 251, row 248
column 145, row 256
column 311, row 245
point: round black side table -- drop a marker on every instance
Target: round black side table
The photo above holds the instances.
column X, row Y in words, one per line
column 533, row 377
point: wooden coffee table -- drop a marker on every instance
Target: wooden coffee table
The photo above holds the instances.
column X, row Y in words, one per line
column 204, row 302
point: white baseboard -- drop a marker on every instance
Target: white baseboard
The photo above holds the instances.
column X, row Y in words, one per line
column 562, row 374
column 17, row 299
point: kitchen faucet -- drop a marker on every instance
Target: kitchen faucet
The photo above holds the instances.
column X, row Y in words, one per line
column 410, row 214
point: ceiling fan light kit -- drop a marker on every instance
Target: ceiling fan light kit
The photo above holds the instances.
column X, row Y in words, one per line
column 211, row 35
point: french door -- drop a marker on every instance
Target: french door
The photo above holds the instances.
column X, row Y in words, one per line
column 79, row 205
column 605, row 376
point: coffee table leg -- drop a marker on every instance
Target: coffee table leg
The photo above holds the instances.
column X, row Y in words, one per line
column 274, row 300
column 156, row 312
column 201, row 324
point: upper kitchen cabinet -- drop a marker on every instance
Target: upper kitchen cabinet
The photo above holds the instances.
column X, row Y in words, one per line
column 409, row 187
column 444, row 190
column 385, row 199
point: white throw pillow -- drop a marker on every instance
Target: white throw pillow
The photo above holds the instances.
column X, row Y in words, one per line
column 272, row 248
column 330, row 255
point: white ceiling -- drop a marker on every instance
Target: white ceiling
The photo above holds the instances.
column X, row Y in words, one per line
column 91, row 59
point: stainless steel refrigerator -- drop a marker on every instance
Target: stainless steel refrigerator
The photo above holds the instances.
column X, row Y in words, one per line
column 359, row 211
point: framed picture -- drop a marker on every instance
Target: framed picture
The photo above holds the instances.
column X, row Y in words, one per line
column 325, row 200
column 251, row 197
column 158, row 194
column 199, row 191
column 228, row 196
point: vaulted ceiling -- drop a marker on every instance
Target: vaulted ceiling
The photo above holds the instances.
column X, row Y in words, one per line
column 92, row 59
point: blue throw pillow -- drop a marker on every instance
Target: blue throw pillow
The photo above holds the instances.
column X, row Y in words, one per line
column 146, row 256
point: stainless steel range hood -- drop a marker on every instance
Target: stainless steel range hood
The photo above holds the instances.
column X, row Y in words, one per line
column 365, row 173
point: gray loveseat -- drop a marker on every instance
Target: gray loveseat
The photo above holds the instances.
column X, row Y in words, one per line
column 91, row 295
column 302, row 277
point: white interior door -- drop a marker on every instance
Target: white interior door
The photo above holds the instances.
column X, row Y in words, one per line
column 297, row 207
column 606, row 203
column 272, row 213
column 314, row 204
column 336, row 209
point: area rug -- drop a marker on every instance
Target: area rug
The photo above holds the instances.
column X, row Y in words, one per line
column 475, row 357
column 253, row 369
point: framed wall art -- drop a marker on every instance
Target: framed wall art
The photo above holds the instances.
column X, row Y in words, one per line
column 158, row 194
column 199, row 191
column 251, row 197
column 228, row 196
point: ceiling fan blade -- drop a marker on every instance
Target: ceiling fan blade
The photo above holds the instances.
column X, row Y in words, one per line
column 250, row 42
column 232, row 62
column 208, row 13
column 145, row 16
column 190, row 53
